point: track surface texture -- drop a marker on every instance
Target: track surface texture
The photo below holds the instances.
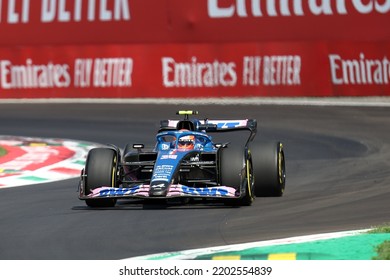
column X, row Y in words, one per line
column 337, row 161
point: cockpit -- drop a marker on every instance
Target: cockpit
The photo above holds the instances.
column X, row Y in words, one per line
column 183, row 140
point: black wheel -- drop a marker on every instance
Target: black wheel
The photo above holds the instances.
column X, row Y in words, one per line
column 236, row 171
column 100, row 170
column 269, row 168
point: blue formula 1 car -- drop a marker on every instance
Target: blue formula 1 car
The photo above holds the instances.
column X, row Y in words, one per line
column 186, row 165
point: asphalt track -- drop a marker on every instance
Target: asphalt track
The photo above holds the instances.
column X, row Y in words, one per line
column 337, row 179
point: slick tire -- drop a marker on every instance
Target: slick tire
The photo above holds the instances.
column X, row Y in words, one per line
column 269, row 168
column 235, row 171
column 100, row 171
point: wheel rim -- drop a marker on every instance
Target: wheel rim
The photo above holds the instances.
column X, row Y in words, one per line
column 249, row 175
column 113, row 173
column 281, row 167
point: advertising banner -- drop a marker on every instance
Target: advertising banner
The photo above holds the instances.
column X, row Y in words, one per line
column 53, row 22
column 193, row 48
column 196, row 70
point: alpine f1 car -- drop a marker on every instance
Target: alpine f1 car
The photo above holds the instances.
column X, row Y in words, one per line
column 185, row 164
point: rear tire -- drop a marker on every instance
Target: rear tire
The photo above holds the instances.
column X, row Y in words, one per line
column 269, row 168
column 235, row 171
column 100, row 170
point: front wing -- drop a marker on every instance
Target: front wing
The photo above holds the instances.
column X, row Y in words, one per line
column 142, row 191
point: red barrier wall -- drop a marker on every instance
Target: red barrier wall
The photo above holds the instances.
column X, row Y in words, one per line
column 194, row 48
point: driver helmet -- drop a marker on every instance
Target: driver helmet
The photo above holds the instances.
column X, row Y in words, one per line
column 186, row 142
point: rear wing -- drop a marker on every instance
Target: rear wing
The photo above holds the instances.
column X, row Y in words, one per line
column 208, row 126
column 228, row 125
column 212, row 125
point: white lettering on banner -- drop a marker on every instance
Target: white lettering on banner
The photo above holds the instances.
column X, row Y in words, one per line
column 33, row 76
column 18, row 11
column 114, row 72
column 82, row 72
column 198, row 74
column 275, row 70
column 88, row 72
column 103, row 72
column 251, row 66
column 282, row 7
column 52, row 10
column 360, row 71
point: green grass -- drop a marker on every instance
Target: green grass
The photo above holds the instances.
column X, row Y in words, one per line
column 381, row 229
column 3, row 151
column 383, row 249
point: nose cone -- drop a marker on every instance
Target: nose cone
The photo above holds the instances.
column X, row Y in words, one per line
column 159, row 189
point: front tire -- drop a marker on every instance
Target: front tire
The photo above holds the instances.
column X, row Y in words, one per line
column 235, row 171
column 100, row 171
